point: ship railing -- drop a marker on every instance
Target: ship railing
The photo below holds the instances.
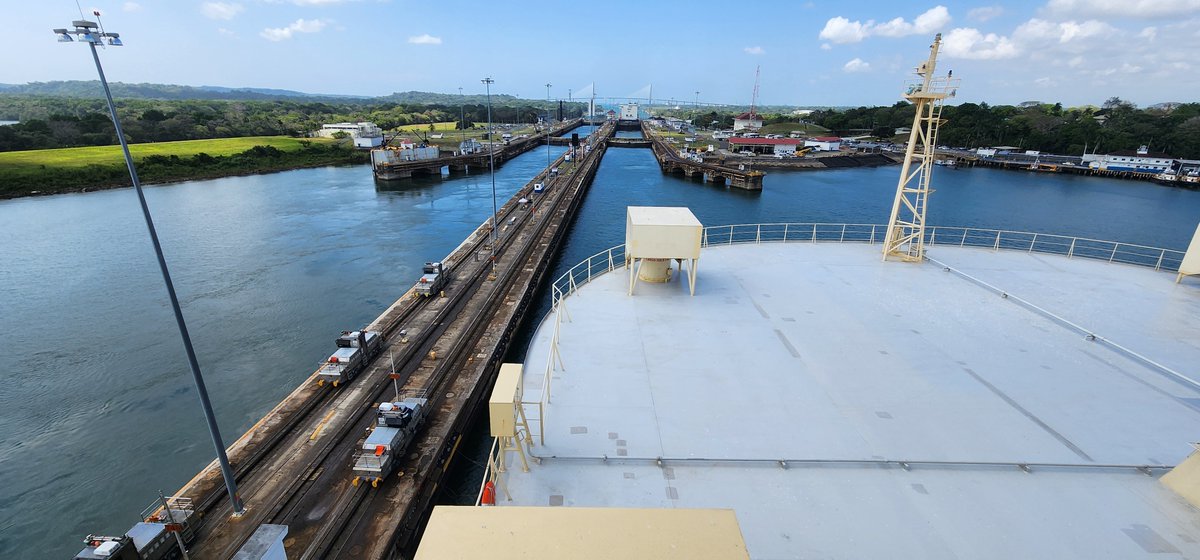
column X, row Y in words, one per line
column 1111, row 251
column 169, row 508
column 1157, row 258
column 1072, row 247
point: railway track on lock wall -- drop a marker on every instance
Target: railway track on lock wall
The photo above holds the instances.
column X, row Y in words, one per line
column 356, row 510
column 281, row 470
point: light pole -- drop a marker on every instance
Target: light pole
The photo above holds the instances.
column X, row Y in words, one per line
column 92, row 34
column 487, row 84
column 547, row 126
column 462, row 119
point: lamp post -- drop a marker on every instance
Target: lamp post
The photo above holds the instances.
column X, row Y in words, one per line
column 462, row 119
column 91, row 33
column 547, row 125
column 487, row 84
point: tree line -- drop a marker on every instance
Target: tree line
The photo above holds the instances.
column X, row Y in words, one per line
column 1116, row 125
column 61, row 122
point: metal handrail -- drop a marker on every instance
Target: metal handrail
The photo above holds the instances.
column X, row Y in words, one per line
column 1112, row 251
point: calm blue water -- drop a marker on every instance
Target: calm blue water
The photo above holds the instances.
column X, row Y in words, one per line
column 98, row 406
column 582, row 131
column 99, row 412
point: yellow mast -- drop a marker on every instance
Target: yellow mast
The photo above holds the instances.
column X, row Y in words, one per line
column 906, row 227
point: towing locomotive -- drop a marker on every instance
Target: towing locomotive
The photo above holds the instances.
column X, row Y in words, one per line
column 355, row 349
column 396, row 423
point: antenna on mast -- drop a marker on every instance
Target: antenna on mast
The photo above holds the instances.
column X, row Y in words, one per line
column 754, row 96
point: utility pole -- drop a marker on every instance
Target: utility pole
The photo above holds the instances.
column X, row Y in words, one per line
column 548, row 125
column 487, row 84
column 92, row 33
column 462, row 117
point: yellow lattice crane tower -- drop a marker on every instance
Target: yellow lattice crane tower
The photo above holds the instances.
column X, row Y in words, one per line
column 906, row 228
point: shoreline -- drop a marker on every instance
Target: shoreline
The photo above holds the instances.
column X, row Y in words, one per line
column 179, row 178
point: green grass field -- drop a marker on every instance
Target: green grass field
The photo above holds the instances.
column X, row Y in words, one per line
column 437, row 127
column 786, row 128
column 101, row 155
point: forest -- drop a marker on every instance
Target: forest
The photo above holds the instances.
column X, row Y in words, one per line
column 1173, row 129
column 61, row 122
column 59, row 114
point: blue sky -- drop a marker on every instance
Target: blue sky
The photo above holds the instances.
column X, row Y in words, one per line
column 810, row 53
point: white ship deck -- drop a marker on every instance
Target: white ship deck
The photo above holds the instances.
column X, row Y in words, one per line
column 843, row 367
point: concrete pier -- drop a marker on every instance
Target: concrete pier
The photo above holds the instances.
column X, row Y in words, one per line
column 293, row 465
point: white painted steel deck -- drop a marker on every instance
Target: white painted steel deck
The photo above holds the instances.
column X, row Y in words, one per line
column 883, row 387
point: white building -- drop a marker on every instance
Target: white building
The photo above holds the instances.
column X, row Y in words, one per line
column 765, row 146
column 629, row 112
column 1142, row 160
column 824, row 143
column 749, row 120
column 365, row 134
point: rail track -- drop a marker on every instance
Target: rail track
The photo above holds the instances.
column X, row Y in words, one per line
column 281, row 472
column 335, row 537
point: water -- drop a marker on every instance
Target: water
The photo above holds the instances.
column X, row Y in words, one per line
column 98, row 406
column 99, row 412
column 582, row 131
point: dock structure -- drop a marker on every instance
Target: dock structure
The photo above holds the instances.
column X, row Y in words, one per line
column 669, row 160
column 1023, row 163
column 476, row 161
column 293, row 466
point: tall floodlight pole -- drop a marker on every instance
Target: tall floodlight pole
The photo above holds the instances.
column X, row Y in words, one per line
column 487, row 84
column 905, row 237
column 91, row 33
column 462, row 117
column 547, row 124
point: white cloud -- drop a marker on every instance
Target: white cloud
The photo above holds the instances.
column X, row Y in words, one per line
column 1124, row 68
column 425, row 39
column 985, row 13
column 226, row 32
column 754, row 50
column 221, row 10
column 934, row 19
column 1042, row 31
column 1149, row 33
column 298, row 26
column 131, row 6
column 1044, row 81
column 1142, row 9
column 970, row 43
column 857, row 65
column 316, row 2
column 826, row 46
column 842, row 30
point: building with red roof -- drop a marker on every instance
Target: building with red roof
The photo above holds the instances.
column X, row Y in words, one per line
column 748, row 120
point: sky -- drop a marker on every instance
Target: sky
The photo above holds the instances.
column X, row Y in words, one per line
column 814, row 53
